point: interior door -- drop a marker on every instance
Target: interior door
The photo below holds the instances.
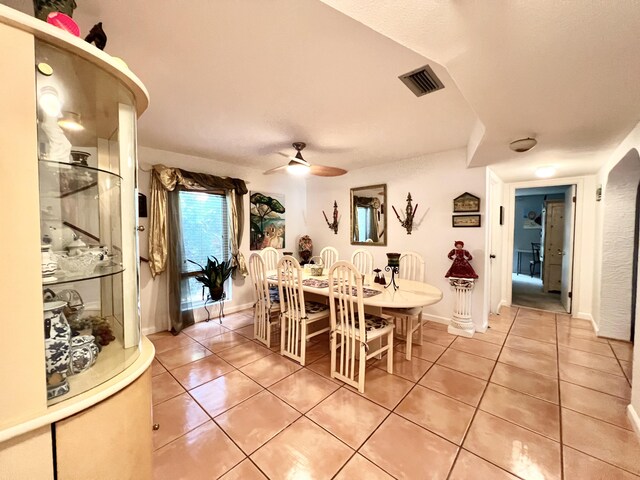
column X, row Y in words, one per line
column 553, row 248
column 567, row 252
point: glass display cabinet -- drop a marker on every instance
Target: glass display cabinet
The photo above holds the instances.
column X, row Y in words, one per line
column 86, row 138
column 72, row 357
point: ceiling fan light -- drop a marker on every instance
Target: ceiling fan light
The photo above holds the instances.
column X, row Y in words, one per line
column 296, row 168
column 523, row 144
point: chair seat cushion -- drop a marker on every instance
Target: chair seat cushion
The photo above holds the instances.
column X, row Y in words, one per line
column 314, row 307
column 274, row 295
column 371, row 322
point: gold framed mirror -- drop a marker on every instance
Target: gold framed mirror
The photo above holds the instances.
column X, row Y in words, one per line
column 369, row 215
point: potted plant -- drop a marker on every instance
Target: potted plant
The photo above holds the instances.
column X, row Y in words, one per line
column 212, row 276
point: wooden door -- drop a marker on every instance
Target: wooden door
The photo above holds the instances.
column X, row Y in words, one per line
column 553, row 246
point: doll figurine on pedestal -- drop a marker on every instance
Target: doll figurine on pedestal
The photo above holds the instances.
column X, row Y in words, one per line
column 461, row 268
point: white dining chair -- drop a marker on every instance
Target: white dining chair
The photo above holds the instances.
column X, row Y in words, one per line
column 296, row 314
column 408, row 320
column 352, row 330
column 363, row 261
column 329, row 256
column 266, row 304
column 270, row 256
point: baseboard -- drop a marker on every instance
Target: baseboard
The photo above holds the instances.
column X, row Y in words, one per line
column 588, row 317
column 228, row 309
column 634, row 419
column 437, row 319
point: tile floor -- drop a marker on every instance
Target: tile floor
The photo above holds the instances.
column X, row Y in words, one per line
column 536, row 397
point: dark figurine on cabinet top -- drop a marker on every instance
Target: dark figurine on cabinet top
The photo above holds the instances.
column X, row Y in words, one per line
column 97, row 36
column 461, row 268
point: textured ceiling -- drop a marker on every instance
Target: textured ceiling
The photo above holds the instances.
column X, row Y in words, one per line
column 239, row 81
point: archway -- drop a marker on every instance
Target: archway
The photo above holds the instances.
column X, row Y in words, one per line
column 619, row 249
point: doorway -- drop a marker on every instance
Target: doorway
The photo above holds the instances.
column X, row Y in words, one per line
column 543, row 248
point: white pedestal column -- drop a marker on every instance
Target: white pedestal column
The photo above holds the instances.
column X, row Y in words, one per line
column 461, row 323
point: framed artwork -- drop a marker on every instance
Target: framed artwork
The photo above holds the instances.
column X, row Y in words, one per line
column 267, row 220
column 466, row 203
column 465, row 221
column 501, row 215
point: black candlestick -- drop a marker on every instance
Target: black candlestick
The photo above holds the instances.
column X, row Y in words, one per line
column 394, row 270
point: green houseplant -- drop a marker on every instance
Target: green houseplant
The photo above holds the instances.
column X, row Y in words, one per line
column 212, row 277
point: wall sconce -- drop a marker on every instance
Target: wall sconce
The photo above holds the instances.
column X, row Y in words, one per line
column 333, row 225
column 410, row 213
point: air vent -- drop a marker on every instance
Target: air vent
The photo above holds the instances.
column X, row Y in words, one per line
column 422, row 81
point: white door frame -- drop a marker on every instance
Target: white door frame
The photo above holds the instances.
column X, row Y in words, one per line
column 508, row 233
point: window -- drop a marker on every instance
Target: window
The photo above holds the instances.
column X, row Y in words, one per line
column 364, row 223
column 204, row 219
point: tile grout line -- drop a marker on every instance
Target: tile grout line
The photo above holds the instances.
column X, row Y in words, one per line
column 562, row 473
column 475, row 413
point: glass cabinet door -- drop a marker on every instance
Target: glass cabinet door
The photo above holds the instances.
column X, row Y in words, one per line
column 88, row 218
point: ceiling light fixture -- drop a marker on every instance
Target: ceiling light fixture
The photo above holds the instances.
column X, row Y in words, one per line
column 71, row 121
column 545, row 172
column 297, row 168
column 523, row 144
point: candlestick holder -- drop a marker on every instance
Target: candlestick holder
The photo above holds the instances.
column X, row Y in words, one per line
column 333, row 225
column 410, row 213
column 393, row 266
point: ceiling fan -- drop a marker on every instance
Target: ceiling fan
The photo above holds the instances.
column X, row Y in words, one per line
column 299, row 166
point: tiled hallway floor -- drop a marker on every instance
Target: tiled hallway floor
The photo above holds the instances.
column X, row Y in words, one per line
column 538, row 396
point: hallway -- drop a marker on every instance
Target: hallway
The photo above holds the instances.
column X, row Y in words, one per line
column 526, row 291
column 537, row 396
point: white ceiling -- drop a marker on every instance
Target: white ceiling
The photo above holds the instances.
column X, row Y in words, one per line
column 238, row 81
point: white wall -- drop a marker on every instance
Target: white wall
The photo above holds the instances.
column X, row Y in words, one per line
column 617, row 250
column 153, row 293
column 434, row 181
column 631, row 141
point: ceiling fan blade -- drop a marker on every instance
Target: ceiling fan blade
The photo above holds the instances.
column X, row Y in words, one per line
column 275, row 170
column 324, row 171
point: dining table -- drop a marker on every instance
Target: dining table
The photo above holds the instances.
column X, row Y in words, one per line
column 410, row 293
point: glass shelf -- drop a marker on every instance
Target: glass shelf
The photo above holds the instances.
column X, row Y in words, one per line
column 60, row 277
column 64, row 179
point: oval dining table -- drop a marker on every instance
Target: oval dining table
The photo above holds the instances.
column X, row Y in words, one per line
column 410, row 294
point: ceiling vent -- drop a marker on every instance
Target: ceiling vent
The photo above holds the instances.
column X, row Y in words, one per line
column 422, row 81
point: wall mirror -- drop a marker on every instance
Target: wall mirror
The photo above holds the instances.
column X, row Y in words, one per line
column 369, row 215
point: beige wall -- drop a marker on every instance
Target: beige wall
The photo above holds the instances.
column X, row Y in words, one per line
column 434, row 181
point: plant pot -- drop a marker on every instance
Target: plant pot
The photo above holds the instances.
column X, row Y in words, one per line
column 42, row 8
column 216, row 293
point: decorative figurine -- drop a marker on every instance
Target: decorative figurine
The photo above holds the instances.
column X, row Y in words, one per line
column 333, row 225
column 462, row 278
column 461, row 268
column 410, row 213
column 377, row 278
column 97, row 36
column 305, row 249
